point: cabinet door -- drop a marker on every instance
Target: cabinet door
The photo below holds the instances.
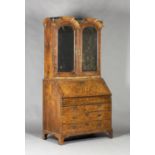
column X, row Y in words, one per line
column 65, row 49
column 89, row 49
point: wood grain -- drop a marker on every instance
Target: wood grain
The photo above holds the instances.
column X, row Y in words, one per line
column 74, row 103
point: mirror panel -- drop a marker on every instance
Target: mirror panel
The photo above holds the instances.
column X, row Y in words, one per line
column 89, row 52
column 65, row 49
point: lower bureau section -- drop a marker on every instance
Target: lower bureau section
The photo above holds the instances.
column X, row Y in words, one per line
column 92, row 126
column 76, row 106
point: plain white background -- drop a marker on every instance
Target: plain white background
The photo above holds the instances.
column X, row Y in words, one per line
column 13, row 90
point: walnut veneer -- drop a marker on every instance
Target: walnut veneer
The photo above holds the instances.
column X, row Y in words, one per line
column 76, row 100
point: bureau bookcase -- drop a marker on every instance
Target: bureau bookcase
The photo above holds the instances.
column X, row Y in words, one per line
column 76, row 99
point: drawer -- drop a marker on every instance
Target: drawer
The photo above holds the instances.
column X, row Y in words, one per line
column 78, row 116
column 86, row 108
column 85, row 100
column 86, row 126
column 98, row 107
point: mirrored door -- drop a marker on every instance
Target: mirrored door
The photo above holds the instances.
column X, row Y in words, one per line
column 89, row 49
column 65, row 49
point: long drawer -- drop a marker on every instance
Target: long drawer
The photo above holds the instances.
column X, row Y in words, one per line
column 86, row 108
column 79, row 116
column 86, row 126
column 85, row 100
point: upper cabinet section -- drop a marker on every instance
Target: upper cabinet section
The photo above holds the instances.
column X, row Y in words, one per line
column 72, row 46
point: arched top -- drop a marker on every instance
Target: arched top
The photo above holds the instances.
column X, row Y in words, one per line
column 76, row 23
column 65, row 20
column 88, row 22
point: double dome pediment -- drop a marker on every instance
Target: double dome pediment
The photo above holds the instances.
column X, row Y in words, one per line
column 74, row 22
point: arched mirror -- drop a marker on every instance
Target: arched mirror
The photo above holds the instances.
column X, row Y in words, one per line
column 89, row 49
column 65, row 49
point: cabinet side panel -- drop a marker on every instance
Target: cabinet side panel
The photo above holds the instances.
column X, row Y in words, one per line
column 48, row 49
column 51, row 107
column 56, row 106
column 46, row 100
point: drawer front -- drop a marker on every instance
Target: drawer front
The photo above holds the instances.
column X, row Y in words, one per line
column 85, row 100
column 86, row 108
column 79, row 116
column 86, row 126
column 98, row 107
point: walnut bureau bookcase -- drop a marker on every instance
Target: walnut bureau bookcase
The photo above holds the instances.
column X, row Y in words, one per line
column 76, row 100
